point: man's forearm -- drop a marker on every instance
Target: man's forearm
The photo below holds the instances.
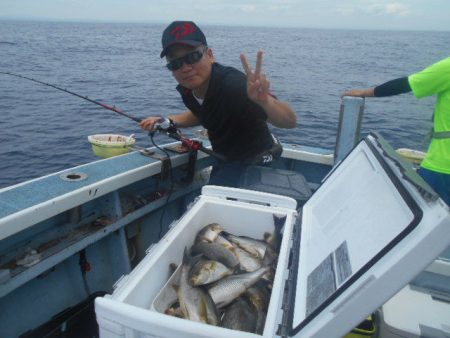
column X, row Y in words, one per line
column 393, row 87
column 184, row 120
column 280, row 113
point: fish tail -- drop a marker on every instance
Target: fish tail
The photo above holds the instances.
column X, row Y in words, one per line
column 278, row 222
column 189, row 260
column 186, row 256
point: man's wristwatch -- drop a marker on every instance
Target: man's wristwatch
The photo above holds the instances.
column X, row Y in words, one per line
column 172, row 123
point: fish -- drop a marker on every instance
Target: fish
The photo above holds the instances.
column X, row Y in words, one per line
column 207, row 271
column 274, row 239
column 240, row 316
column 195, row 303
column 247, row 261
column 209, row 233
column 173, row 267
column 259, row 297
column 217, row 252
column 270, row 257
column 255, row 247
column 229, row 288
column 269, row 276
column 226, row 243
column 174, row 311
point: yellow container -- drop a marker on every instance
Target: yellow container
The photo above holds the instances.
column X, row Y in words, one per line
column 108, row 145
column 364, row 329
column 411, row 155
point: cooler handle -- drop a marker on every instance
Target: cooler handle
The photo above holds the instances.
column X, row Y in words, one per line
column 250, row 196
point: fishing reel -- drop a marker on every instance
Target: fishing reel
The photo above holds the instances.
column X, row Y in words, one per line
column 164, row 125
column 167, row 126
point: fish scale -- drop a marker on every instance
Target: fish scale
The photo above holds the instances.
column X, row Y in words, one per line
column 231, row 287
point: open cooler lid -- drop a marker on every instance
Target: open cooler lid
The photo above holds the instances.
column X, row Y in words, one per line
column 371, row 226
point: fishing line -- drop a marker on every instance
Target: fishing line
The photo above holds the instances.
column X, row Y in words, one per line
column 118, row 111
column 112, row 108
column 196, row 145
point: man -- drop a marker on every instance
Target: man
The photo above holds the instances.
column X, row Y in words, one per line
column 233, row 107
column 435, row 79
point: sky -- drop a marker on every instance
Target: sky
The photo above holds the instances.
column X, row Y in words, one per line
column 338, row 14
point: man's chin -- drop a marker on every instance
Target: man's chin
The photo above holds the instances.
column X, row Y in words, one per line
column 191, row 85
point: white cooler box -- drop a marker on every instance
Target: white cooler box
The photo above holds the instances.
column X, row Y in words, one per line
column 413, row 313
column 371, row 227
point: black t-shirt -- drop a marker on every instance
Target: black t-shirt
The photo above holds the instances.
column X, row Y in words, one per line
column 236, row 125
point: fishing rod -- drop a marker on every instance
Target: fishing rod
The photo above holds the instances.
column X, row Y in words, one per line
column 165, row 125
column 114, row 109
column 161, row 126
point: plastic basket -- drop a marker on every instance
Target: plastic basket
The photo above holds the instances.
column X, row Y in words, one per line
column 108, row 145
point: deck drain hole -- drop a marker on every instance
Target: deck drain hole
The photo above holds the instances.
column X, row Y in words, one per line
column 73, row 176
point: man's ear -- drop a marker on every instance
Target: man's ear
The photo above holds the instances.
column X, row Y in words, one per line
column 210, row 54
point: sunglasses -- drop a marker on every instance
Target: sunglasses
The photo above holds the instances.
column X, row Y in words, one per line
column 188, row 59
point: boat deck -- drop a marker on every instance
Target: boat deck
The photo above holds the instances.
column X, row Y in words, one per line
column 28, row 194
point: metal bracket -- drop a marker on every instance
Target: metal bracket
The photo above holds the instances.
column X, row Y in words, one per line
column 165, row 167
column 165, row 161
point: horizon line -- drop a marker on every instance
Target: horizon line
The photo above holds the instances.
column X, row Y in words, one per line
column 158, row 22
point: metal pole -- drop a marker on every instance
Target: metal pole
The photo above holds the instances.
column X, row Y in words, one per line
column 350, row 119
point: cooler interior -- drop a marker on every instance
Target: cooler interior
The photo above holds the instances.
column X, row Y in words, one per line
column 240, row 218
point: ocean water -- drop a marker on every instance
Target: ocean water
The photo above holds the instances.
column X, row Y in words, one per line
column 44, row 130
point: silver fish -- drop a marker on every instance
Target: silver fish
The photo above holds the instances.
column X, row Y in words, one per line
column 247, row 261
column 195, row 303
column 259, row 297
column 226, row 243
column 269, row 276
column 270, row 257
column 217, row 252
column 231, row 287
column 240, row 316
column 209, row 233
column 207, row 271
column 255, row 247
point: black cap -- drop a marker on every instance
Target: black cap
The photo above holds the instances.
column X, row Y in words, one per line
column 184, row 32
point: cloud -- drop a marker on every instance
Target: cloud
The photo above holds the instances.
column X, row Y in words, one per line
column 397, row 8
column 375, row 8
column 248, row 8
column 394, row 8
column 346, row 10
column 278, row 7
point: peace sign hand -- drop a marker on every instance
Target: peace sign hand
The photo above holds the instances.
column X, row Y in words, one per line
column 257, row 83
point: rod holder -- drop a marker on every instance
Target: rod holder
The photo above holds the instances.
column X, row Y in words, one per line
column 349, row 128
